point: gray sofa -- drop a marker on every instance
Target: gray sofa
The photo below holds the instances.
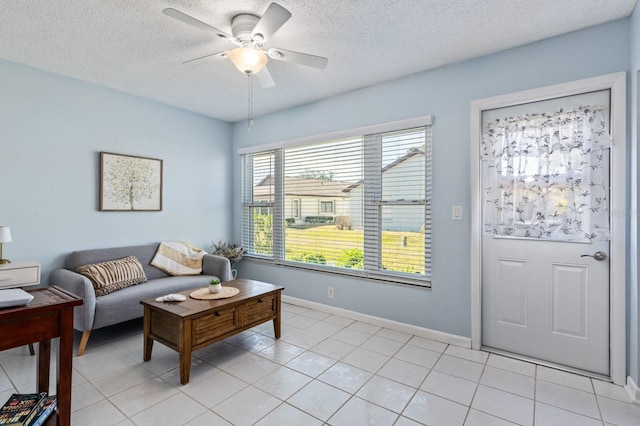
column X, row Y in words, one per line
column 123, row 305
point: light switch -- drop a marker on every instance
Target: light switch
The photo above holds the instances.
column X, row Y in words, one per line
column 456, row 212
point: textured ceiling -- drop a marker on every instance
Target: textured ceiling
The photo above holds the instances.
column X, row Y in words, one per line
column 131, row 46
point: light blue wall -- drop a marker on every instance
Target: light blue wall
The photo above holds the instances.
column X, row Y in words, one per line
column 446, row 93
column 51, row 132
column 633, row 296
column 52, row 129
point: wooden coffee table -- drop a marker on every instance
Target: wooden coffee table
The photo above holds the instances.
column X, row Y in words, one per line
column 193, row 324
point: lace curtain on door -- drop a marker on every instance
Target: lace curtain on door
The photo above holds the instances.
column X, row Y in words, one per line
column 544, row 175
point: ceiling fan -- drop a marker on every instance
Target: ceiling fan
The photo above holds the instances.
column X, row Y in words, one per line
column 250, row 33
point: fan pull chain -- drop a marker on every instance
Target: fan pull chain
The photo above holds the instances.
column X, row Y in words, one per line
column 250, row 120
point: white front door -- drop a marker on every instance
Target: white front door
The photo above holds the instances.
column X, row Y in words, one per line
column 545, row 280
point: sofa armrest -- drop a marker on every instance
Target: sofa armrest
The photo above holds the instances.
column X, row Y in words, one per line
column 216, row 265
column 82, row 287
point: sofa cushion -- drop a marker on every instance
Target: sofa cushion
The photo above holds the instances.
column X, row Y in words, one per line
column 113, row 275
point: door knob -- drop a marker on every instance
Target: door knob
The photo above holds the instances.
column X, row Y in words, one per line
column 599, row 256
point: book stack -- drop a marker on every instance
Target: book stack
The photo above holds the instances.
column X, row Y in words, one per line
column 27, row 409
column 50, row 405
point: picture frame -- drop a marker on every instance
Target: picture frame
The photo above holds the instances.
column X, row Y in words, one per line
column 129, row 183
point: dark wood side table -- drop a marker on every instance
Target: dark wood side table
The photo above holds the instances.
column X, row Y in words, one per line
column 48, row 315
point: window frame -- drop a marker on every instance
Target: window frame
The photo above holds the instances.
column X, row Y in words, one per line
column 374, row 273
column 322, row 203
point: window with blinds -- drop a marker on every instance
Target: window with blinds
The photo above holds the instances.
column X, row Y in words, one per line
column 258, row 189
column 356, row 205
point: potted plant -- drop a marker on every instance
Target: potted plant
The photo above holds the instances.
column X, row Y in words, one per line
column 231, row 251
column 215, row 286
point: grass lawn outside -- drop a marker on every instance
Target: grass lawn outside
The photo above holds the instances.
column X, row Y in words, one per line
column 401, row 251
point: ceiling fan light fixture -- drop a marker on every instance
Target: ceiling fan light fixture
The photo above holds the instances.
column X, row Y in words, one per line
column 248, row 60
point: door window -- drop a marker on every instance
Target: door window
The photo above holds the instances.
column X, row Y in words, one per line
column 544, row 175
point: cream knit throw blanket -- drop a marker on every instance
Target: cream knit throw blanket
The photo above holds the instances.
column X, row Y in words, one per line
column 178, row 258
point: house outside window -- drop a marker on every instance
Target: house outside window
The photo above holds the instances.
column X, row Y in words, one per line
column 371, row 193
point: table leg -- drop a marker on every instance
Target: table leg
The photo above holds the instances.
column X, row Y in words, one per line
column 276, row 320
column 276, row 327
column 148, row 342
column 148, row 347
column 65, row 361
column 184, row 347
column 44, row 359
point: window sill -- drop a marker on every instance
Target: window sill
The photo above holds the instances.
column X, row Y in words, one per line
column 379, row 277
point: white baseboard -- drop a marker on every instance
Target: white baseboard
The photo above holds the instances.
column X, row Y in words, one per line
column 632, row 390
column 427, row 333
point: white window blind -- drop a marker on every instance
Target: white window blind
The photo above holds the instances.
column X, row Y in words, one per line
column 320, row 175
column 358, row 205
column 258, row 196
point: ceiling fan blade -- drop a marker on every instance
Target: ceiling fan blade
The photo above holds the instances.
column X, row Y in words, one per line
column 271, row 21
column 264, row 78
column 298, row 58
column 204, row 59
column 189, row 20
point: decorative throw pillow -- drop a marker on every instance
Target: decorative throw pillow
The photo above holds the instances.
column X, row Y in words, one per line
column 114, row 275
column 178, row 258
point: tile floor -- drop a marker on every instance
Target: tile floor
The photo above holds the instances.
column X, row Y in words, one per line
column 324, row 370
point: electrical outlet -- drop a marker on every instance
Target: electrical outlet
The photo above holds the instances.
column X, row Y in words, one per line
column 330, row 292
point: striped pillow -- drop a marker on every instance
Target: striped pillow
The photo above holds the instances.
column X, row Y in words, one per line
column 114, row 275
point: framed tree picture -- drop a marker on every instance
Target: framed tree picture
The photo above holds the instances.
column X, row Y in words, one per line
column 130, row 183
